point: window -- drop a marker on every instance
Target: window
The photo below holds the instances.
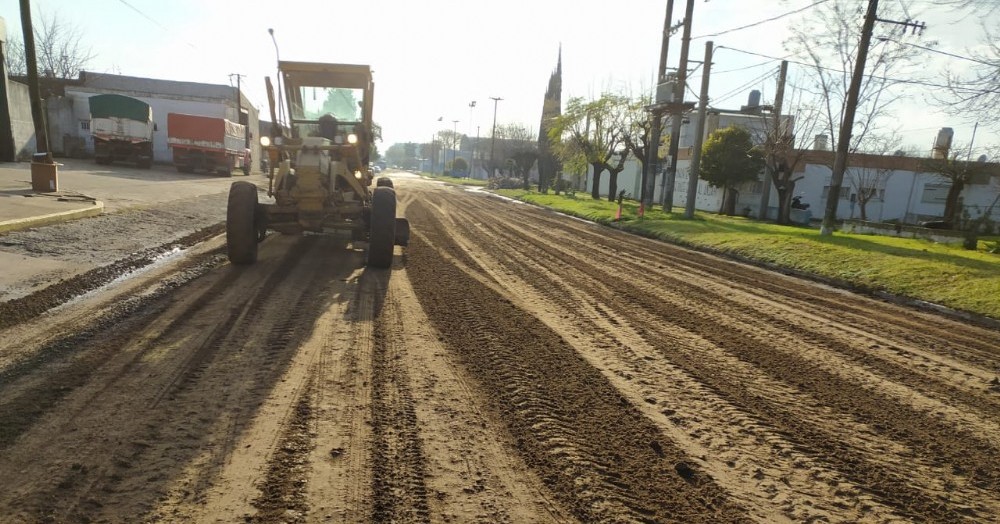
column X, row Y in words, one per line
column 935, row 193
column 845, row 192
column 85, row 125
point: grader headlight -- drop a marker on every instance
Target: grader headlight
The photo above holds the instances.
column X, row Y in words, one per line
column 358, row 175
column 352, row 139
column 265, row 141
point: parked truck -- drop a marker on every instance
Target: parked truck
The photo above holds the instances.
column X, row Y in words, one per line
column 204, row 143
column 122, row 128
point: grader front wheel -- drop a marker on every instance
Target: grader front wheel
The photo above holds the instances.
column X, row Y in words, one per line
column 241, row 231
column 383, row 227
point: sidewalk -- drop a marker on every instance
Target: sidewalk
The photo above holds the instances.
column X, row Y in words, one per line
column 87, row 189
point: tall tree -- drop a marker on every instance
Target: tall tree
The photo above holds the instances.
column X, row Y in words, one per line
column 868, row 181
column 594, row 130
column 59, row 47
column 958, row 173
column 548, row 164
column 729, row 158
column 828, row 40
column 519, row 147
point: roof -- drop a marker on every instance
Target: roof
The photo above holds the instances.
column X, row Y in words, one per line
column 155, row 88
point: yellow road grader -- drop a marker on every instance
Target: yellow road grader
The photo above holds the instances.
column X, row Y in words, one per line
column 319, row 172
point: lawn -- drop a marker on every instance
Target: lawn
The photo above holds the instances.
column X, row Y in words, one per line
column 942, row 274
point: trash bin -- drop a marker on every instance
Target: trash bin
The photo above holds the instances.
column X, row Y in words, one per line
column 44, row 173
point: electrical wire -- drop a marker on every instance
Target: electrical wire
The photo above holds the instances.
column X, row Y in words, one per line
column 151, row 19
column 814, row 4
column 894, row 80
column 953, row 55
column 738, row 90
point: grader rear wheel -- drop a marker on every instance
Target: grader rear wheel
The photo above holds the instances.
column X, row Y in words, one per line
column 241, row 230
column 383, row 228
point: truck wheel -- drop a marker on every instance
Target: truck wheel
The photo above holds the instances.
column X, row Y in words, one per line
column 383, row 181
column 383, row 228
column 241, row 232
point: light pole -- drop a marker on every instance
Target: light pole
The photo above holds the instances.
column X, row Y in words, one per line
column 493, row 137
column 281, row 104
column 454, row 138
column 472, row 105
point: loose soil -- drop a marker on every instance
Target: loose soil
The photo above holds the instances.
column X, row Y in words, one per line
column 514, row 365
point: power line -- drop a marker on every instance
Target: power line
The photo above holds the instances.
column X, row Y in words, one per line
column 814, row 4
column 737, row 91
column 151, row 19
column 953, row 55
column 743, row 68
column 894, row 80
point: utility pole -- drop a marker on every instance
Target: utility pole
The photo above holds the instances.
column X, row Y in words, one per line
column 655, row 116
column 777, row 138
column 847, row 126
column 677, row 109
column 454, row 139
column 239, row 109
column 34, row 94
column 699, row 137
column 493, row 137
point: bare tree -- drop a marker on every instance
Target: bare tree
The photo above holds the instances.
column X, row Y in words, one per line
column 868, row 181
column 828, row 40
column 519, row 146
column 59, row 47
column 591, row 129
column 785, row 143
column 958, row 173
column 976, row 94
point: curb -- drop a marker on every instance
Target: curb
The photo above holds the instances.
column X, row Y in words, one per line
column 52, row 218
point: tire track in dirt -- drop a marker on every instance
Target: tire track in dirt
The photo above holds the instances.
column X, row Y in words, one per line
column 69, row 361
column 947, row 363
column 938, row 440
column 565, row 261
column 398, row 464
column 601, row 458
column 907, row 326
column 746, row 458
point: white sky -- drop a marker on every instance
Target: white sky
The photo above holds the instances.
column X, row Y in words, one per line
column 433, row 57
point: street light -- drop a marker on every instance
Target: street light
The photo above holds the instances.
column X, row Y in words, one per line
column 281, row 104
column 493, row 138
column 472, row 159
column 454, row 138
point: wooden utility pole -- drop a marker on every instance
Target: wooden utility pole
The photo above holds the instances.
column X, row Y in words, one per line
column 655, row 116
column 34, row 94
column 699, row 136
column 677, row 109
column 847, row 125
column 777, row 136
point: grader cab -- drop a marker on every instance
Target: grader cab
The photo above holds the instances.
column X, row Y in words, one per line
column 319, row 173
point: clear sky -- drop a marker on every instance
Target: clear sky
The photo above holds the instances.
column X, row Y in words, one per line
column 431, row 58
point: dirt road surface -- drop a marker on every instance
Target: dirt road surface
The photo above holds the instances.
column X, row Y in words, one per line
column 513, row 366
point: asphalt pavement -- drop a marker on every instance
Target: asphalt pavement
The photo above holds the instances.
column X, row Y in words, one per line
column 86, row 189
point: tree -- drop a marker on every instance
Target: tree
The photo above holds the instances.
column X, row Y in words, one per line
column 828, row 41
column 520, row 147
column 59, row 48
column 958, row 173
column 868, row 181
column 729, row 159
column 975, row 94
column 784, row 144
column 593, row 132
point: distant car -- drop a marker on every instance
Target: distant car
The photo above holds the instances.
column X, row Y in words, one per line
column 376, row 169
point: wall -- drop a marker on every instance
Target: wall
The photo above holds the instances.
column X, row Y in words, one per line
column 22, row 126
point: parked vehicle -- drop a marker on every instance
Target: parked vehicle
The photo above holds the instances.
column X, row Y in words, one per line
column 204, row 143
column 122, row 128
